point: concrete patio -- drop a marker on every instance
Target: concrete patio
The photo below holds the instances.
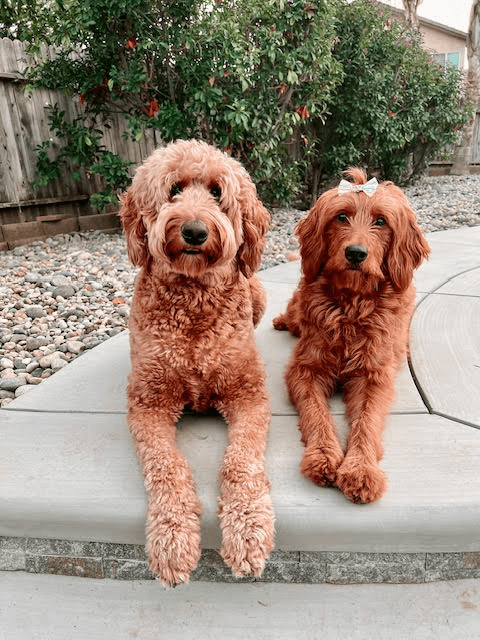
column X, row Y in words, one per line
column 72, row 499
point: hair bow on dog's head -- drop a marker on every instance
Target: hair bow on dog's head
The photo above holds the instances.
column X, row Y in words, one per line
column 368, row 188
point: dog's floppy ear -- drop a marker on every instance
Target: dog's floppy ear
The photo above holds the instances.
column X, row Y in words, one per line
column 134, row 229
column 407, row 250
column 255, row 224
column 311, row 234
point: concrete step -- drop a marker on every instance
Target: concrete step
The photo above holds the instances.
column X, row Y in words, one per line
column 45, row 607
column 69, row 473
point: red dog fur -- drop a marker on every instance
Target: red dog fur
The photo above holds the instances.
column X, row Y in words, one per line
column 196, row 228
column 351, row 311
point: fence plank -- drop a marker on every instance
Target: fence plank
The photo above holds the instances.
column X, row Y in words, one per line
column 11, row 179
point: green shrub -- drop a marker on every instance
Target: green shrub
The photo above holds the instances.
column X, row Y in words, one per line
column 244, row 74
column 395, row 108
column 296, row 89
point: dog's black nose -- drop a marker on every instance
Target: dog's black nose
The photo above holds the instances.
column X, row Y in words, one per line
column 194, row 232
column 356, row 253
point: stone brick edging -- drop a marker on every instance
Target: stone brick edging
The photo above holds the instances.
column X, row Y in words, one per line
column 128, row 562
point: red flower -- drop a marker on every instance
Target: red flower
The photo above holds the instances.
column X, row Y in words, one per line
column 303, row 112
column 152, row 107
column 131, row 43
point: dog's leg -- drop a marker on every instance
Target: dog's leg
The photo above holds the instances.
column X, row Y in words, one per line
column 245, row 506
column 310, row 394
column 290, row 319
column 173, row 517
column 368, row 402
column 259, row 298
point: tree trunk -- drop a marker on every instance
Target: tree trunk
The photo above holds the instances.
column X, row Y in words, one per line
column 411, row 17
column 463, row 151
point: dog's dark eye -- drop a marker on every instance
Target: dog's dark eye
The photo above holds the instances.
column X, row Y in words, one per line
column 216, row 191
column 342, row 217
column 175, row 189
column 380, row 222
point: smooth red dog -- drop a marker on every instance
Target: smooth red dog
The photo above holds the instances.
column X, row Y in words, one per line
column 359, row 245
column 195, row 226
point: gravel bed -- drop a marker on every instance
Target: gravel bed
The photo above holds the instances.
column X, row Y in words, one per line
column 63, row 296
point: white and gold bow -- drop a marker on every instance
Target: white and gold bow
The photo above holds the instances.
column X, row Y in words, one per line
column 368, row 188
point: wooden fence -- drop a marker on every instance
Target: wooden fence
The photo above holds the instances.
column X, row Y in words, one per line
column 28, row 213
column 475, row 159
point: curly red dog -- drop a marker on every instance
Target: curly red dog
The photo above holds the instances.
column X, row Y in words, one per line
column 195, row 226
column 359, row 245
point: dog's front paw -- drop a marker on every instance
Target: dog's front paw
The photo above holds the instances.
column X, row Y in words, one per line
column 280, row 322
column 361, row 481
column 248, row 531
column 320, row 464
column 173, row 542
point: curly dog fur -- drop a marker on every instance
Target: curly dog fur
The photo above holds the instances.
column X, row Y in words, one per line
column 195, row 226
column 351, row 312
